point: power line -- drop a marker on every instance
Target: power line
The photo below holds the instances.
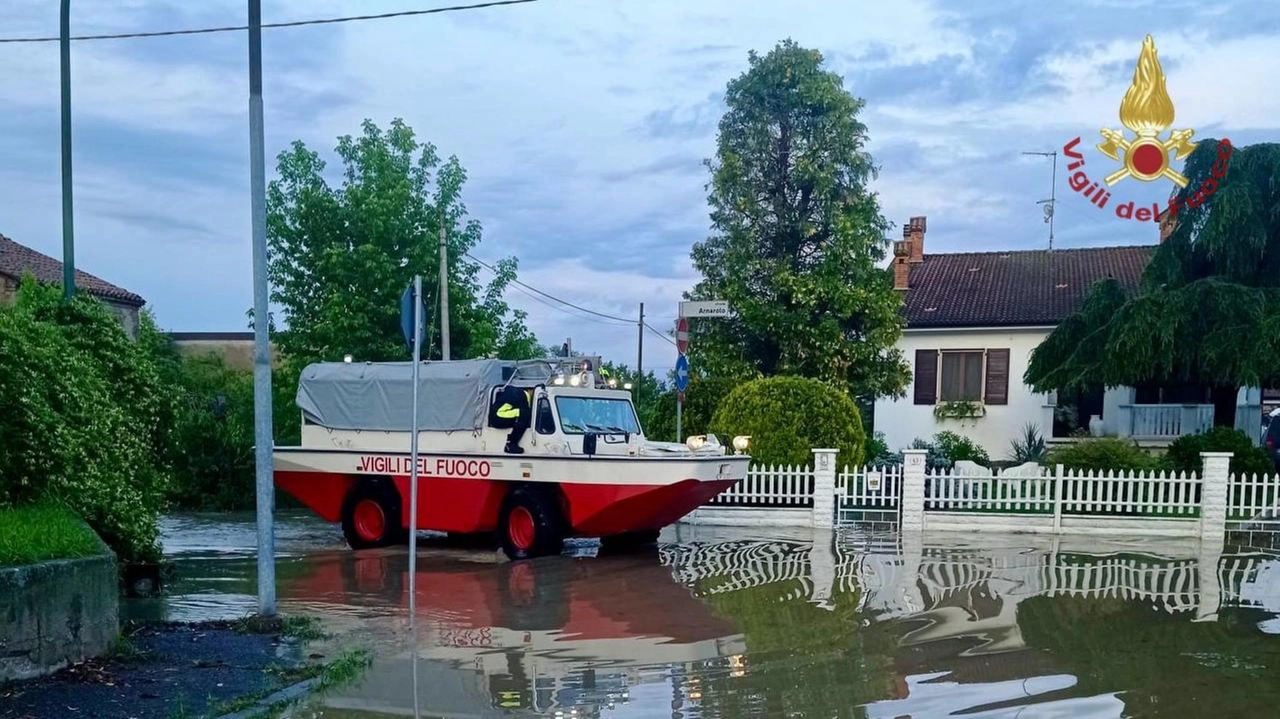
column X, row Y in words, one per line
column 519, row 285
column 294, row 23
column 551, row 297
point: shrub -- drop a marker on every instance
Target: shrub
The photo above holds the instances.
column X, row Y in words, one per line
column 958, row 448
column 1248, row 458
column 1103, row 454
column 787, row 417
column 83, row 415
column 1030, row 447
column 878, row 450
column 212, row 457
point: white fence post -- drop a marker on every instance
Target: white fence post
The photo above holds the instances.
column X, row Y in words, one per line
column 912, row 499
column 1059, row 485
column 1214, row 486
column 824, row 488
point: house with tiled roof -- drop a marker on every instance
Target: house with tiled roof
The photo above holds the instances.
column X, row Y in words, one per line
column 972, row 321
column 18, row 260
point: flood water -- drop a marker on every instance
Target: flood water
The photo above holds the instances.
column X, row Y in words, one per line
column 767, row 623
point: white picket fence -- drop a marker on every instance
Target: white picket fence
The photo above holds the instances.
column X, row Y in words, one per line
column 1254, row 498
column 1027, row 498
column 781, row 486
column 1071, row 492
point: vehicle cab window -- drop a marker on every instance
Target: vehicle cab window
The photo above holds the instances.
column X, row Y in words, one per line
column 545, row 422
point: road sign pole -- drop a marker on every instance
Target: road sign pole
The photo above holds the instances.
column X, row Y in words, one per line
column 679, row 407
column 413, row 450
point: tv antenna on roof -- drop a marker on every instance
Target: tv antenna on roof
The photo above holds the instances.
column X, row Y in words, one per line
column 1053, row 189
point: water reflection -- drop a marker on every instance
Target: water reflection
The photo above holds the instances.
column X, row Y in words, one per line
column 727, row 624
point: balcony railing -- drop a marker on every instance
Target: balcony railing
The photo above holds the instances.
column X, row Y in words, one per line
column 1164, row 421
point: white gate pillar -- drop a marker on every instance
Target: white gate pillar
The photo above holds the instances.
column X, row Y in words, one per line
column 824, row 488
column 1214, row 486
column 911, row 502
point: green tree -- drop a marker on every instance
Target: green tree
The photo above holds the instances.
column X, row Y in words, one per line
column 798, row 238
column 340, row 257
column 1208, row 309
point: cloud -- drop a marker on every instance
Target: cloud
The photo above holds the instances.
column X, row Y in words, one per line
column 583, row 127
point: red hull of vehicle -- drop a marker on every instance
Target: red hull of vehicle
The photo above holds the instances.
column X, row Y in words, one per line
column 471, row 505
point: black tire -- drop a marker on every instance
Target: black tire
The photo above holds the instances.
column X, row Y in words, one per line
column 631, row 541
column 530, row 523
column 360, row 525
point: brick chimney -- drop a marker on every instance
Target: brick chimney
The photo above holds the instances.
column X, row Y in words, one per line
column 901, row 268
column 914, row 234
column 1167, row 223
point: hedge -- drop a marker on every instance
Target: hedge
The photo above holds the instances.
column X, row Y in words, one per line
column 84, row 417
column 788, row 417
column 1247, row 458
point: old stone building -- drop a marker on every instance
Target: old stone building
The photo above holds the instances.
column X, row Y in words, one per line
column 18, row 260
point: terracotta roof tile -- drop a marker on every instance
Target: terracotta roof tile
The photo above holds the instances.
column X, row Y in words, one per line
column 17, row 260
column 1015, row 288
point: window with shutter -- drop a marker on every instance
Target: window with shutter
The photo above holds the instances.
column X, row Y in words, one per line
column 997, row 376
column 961, row 376
column 926, row 377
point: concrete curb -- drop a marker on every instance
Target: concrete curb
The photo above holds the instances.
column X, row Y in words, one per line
column 289, row 693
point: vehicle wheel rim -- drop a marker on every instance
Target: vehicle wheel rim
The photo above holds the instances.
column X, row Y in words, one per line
column 520, row 528
column 369, row 520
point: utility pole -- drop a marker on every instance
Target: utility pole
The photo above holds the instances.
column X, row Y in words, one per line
column 639, row 356
column 1053, row 190
column 444, row 289
column 68, row 224
column 263, row 443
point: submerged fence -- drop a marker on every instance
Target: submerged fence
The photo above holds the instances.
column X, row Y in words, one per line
column 1026, row 498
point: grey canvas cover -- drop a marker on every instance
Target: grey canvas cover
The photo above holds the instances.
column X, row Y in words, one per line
column 376, row 396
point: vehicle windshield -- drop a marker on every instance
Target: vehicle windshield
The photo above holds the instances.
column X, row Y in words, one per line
column 579, row 415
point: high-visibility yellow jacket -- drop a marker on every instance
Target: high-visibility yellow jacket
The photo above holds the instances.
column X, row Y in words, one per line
column 508, row 411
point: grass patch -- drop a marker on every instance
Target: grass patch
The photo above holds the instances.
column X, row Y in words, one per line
column 341, row 671
column 294, row 626
column 36, row 534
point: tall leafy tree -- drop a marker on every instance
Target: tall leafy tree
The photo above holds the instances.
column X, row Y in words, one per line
column 797, row 237
column 1208, row 309
column 340, row 256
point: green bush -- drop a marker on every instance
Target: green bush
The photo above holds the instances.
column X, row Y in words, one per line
column 83, row 417
column 212, row 458
column 701, row 398
column 1248, row 458
column 958, row 448
column 1103, row 454
column 787, row 417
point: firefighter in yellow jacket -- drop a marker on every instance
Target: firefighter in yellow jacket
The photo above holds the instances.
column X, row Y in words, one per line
column 513, row 409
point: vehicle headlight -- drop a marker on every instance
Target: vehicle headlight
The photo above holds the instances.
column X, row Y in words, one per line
column 574, row 380
column 613, row 382
column 695, row 442
column 626, row 385
column 559, row 380
column 741, row 442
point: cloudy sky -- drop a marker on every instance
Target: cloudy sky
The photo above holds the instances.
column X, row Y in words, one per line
column 583, row 125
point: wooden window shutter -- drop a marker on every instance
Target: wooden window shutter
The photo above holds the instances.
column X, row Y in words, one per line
column 926, row 377
column 997, row 376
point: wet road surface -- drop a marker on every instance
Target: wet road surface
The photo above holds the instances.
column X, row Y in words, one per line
column 767, row 623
